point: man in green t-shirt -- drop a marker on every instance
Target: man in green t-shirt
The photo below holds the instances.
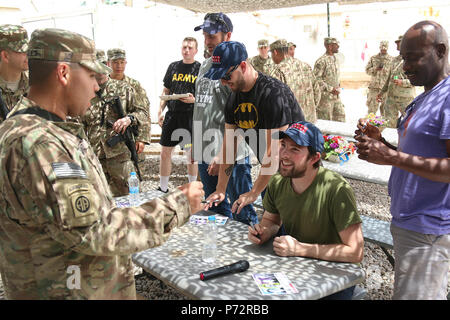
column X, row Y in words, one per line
column 316, row 206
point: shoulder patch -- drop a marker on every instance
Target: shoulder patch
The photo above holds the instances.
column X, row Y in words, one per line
column 68, row 170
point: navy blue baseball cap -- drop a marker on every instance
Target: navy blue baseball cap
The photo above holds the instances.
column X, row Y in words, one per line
column 226, row 55
column 304, row 134
column 216, row 22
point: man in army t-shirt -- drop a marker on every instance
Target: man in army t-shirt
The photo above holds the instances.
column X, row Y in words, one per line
column 57, row 213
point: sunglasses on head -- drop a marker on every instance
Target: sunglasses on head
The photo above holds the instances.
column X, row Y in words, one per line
column 215, row 17
column 227, row 75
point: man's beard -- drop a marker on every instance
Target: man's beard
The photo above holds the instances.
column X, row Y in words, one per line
column 293, row 172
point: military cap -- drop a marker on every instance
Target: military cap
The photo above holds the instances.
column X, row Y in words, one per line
column 290, row 44
column 62, row 45
column 399, row 39
column 329, row 40
column 13, row 37
column 116, row 53
column 384, row 44
column 101, row 56
column 263, row 43
column 278, row 44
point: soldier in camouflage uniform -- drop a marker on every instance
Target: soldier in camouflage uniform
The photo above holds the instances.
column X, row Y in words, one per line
column 61, row 235
column 116, row 161
column 117, row 61
column 297, row 75
column 262, row 62
column 291, row 49
column 327, row 73
column 13, row 64
column 377, row 68
column 397, row 89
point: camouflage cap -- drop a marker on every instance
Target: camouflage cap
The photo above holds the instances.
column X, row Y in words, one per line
column 116, row 53
column 384, row 45
column 399, row 39
column 13, row 37
column 278, row 44
column 101, row 55
column 263, row 43
column 329, row 40
column 290, row 44
column 62, row 45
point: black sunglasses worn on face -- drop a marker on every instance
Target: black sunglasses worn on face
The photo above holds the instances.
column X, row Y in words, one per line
column 227, row 75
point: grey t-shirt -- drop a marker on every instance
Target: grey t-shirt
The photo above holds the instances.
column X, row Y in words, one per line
column 209, row 117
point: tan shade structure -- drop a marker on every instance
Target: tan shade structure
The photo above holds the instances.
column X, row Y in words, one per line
column 228, row 6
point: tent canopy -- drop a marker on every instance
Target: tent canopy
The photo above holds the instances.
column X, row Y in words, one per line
column 228, row 6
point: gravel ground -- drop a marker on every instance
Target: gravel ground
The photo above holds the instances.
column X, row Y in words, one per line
column 372, row 200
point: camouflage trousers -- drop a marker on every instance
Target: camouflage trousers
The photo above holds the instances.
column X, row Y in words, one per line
column 330, row 107
column 372, row 103
column 117, row 171
column 394, row 107
column 309, row 108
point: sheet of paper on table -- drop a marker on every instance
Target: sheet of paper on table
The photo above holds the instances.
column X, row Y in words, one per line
column 274, row 283
column 174, row 96
column 197, row 219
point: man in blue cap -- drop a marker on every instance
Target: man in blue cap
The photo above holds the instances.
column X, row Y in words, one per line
column 209, row 122
column 258, row 106
column 316, row 206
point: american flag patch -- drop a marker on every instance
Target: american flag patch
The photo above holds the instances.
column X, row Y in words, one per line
column 68, row 170
column 215, row 59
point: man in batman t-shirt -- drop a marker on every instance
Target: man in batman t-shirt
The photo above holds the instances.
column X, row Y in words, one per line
column 258, row 106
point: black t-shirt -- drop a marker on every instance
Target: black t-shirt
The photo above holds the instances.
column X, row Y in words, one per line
column 270, row 104
column 180, row 78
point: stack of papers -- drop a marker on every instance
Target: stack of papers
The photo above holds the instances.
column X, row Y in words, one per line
column 197, row 219
column 274, row 283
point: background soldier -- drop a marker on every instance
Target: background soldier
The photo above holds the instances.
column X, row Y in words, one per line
column 116, row 160
column 262, row 61
column 13, row 65
column 296, row 74
column 378, row 69
column 327, row 73
column 397, row 89
column 56, row 209
column 291, row 49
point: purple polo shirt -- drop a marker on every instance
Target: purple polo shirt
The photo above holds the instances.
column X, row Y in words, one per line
column 419, row 204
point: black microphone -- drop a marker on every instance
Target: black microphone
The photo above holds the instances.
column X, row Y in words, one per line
column 239, row 266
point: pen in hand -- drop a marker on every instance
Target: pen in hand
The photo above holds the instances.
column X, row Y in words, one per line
column 253, row 227
column 209, row 201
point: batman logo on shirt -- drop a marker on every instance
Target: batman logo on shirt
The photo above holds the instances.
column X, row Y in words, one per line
column 246, row 115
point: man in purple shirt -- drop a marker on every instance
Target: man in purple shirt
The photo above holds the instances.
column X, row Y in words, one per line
column 419, row 185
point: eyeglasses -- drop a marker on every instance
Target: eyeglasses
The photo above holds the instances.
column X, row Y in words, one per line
column 227, row 75
column 215, row 17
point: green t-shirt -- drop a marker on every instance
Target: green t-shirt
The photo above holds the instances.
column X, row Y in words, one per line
column 317, row 215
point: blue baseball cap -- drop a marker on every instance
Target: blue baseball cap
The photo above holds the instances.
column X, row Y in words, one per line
column 216, row 22
column 226, row 55
column 304, row 134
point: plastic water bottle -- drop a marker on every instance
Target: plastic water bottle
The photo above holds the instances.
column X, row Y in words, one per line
column 209, row 252
column 133, row 185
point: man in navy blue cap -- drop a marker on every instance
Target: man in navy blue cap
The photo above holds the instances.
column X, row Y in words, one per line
column 316, row 206
column 258, row 106
column 209, row 123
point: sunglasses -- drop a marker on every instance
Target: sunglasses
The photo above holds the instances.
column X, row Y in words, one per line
column 227, row 75
column 215, row 17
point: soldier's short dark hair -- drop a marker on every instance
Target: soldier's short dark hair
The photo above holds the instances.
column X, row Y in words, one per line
column 40, row 70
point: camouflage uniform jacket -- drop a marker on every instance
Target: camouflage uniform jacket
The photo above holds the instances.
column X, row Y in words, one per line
column 57, row 213
column 378, row 77
column 406, row 89
column 10, row 98
column 140, row 91
column 327, row 73
column 99, row 134
column 262, row 65
column 300, row 79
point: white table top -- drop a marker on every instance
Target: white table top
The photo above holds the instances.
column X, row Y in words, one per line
column 178, row 263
